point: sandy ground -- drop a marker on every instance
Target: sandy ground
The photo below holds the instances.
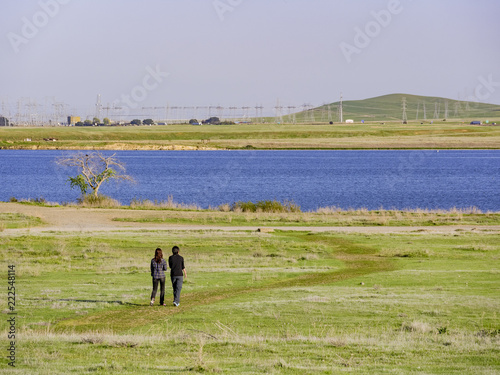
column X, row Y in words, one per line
column 73, row 219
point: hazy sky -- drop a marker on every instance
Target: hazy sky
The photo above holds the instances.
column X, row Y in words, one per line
column 247, row 52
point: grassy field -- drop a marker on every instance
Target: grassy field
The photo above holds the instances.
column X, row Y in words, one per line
column 18, row 221
column 322, row 217
column 374, row 135
column 278, row 303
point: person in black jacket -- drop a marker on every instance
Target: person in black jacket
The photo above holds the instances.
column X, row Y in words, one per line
column 177, row 269
column 158, row 268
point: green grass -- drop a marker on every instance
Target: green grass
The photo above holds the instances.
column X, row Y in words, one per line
column 9, row 221
column 279, row 303
column 322, row 217
column 391, row 135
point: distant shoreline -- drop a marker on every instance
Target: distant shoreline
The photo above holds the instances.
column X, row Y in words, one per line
column 370, row 136
column 187, row 148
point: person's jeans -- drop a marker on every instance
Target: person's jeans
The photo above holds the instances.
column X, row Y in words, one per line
column 162, row 289
column 177, row 286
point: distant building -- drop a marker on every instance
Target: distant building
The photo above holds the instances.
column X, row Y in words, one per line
column 4, row 121
column 72, row 120
column 475, row 123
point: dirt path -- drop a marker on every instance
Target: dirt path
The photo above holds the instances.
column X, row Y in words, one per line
column 74, row 219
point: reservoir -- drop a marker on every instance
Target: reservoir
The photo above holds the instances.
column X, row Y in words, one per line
column 407, row 179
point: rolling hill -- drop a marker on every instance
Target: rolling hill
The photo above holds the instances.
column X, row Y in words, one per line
column 390, row 108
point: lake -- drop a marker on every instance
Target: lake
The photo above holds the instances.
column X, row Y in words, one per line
column 348, row 179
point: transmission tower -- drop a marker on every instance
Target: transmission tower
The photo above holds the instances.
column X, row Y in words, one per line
column 291, row 113
column 418, row 109
column 310, row 112
column 341, row 110
column 259, row 109
column 175, row 113
column 446, row 110
column 32, row 112
column 18, row 113
column 98, row 107
column 279, row 115
column 405, row 117
column 107, row 108
column 167, row 112
column 436, row 112
column 232, row 113
column 4, row 108
column 220, row 111
column 323, row 112
column 425, row 112
column 157, row 111
column 58, row 111
column 246, row 113
column 117, row 112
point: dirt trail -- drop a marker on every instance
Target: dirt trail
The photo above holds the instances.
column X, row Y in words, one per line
column 74, row 219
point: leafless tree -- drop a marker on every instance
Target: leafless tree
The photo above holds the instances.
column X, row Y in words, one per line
column 94, row 169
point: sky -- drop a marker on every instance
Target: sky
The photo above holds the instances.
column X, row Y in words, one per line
column 245, row 52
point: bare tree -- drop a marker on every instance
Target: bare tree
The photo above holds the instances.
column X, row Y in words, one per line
column 95, row 169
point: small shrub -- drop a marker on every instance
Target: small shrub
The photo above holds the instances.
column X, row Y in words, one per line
column 244, row 207
column 226, row 207
column 91, row 340
column 169, row 204
column 13, row 200
column 265, row 206
column 141, row 203
column 415, row 326
column 442, row 330
column 98, row 201
column 329, row 210
column 488, row 333
column 309, row 257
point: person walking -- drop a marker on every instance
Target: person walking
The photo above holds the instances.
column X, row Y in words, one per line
column 158, row 268
column 177, row 270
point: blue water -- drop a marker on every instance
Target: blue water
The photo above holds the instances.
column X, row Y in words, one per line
column 311, row 179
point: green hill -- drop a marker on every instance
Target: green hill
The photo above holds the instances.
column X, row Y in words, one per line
column 390, row 108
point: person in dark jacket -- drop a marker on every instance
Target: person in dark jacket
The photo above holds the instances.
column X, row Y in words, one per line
column 158, row 268
column 177, row 270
